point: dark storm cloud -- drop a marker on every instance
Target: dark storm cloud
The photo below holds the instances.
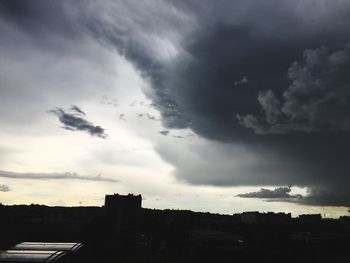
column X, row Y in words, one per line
column 4, row 188
column 318, row 99
column 74, row 121
column 54, row 176
column 38, row 17
column 301, row 102
column 238, row 77
column 277, row 193
column 242, row 81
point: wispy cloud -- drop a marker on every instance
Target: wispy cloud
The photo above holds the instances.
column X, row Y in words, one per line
column 4, row 188
column 110, row 102
column 148, row 116
column 73, row 120
column 55, row 176
column 165, row 132
column 122, row 117
column 244, row 80
column 77, row 109
column 151, row 117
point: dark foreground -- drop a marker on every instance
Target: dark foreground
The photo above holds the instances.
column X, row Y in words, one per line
column 145, row 235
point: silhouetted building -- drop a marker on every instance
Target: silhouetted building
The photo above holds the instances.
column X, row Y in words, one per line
column 125, row 212
column 266, row 218
column 250, row 217
column 277, row 218
column 310, row 219
column 345, row 219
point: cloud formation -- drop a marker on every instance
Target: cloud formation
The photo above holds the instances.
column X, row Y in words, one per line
column 4, row 188
column 285, row 123
column 277, row 193
column 148, row 116
column 73, row 120
column 317, row 100
column 76, row 109
column 164, row 132
column 122, row 117
column 54, row 176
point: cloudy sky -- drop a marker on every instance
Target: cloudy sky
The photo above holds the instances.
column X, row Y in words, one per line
column 220, row 106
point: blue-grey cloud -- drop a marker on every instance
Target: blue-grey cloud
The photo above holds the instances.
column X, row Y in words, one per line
column 73, row 120
column 277, row 193
column 164, row 132
column 55, row 176
column 4, row 188
column 77, row 110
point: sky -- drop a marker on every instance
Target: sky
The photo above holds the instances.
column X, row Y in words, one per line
column 218, row 106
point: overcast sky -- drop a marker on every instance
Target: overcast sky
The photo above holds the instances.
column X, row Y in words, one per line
column 220, row 106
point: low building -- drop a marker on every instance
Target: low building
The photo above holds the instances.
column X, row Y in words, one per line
column 250, row 218
column 311, row 219
column 269, row 218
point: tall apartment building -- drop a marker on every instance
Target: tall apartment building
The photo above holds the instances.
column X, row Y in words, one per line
column 124, row 211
